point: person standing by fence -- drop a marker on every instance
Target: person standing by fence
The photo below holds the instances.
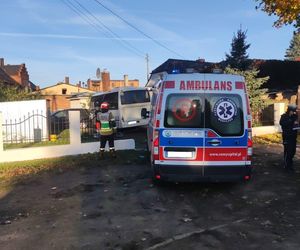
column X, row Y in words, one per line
column 288, row 122
column 107, row 129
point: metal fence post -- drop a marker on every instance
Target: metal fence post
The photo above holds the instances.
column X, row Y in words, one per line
column 74, row 119
column 1, row 133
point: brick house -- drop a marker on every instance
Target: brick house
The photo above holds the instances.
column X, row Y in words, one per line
column 106, row 84
column 6, row 79
column 58, row 95
column 16, row 75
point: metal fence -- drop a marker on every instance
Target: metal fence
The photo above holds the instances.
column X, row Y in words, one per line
column 36, row 127
column 88, row 130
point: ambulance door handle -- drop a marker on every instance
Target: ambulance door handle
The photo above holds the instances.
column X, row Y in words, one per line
column 214, row 142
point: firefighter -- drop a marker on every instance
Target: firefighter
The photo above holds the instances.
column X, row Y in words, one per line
column 288, row 121
column 107, row 129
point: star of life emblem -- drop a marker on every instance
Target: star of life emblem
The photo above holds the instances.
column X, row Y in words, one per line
column 225, row 110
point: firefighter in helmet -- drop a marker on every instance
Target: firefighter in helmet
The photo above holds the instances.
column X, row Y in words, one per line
column 107, row 129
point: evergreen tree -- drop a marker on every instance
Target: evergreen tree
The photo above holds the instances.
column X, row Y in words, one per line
column 257, row 95
column 238, row 57
column 293, row 52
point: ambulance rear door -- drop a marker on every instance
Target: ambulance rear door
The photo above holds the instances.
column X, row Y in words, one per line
column 225, row 146
column 182, row 127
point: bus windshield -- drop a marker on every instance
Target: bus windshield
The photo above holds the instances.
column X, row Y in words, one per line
column 135, row 96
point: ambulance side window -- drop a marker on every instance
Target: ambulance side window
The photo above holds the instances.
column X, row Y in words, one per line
column 224, row 114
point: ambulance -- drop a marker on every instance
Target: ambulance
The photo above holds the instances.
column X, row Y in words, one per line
column 199, row 128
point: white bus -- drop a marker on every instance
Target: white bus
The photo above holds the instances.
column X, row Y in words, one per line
column 126, row 104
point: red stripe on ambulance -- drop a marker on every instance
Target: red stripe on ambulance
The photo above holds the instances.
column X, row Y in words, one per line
column 225, row 154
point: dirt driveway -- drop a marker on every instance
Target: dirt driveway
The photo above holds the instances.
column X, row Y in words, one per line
column 108, row 205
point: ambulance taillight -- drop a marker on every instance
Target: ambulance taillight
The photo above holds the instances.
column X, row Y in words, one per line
column 249, row 147
column 249, row 129
column 156, row 145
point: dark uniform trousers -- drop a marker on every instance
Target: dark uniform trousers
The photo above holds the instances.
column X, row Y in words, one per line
column 289, row 137
column 289, row 153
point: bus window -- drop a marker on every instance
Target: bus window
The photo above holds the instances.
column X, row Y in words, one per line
column 135, row 96
column 98, row 99
column 112, row 99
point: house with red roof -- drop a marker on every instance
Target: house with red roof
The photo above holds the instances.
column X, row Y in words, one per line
column 15, row 75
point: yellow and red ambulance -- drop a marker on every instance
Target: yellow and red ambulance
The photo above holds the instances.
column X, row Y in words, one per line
column 200, row 127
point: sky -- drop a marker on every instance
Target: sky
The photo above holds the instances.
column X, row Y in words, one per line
column 55, row 41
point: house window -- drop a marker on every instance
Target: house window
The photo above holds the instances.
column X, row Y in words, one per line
column 64, row 91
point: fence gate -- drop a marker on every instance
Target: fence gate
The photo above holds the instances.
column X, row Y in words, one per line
column 30, row 128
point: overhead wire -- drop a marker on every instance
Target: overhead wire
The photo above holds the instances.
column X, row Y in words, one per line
column 71, row 6
column 86, row 15
column 137, row 29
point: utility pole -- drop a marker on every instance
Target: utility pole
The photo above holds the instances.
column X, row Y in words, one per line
column 147, row 64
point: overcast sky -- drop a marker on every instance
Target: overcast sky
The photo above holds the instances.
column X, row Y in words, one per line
column 55, row 41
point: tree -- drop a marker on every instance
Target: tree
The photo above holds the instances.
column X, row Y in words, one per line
column 14, row 93
column 238, row 57
column 287, row 11
column 257, row 95
column 293, row 52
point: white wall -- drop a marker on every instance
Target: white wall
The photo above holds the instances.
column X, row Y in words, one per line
column 75, row 147
column 264, row 130
column 279, row 109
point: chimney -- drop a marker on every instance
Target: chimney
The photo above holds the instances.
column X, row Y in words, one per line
column 1, row 62
column 88, row 83
column 67, row 80
column 105, row 76
column 125, row 80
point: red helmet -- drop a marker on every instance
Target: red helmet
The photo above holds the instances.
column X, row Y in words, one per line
column 104, row 105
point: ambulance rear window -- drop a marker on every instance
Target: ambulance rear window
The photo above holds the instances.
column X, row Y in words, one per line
column 224, row 114
column 184, row 111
